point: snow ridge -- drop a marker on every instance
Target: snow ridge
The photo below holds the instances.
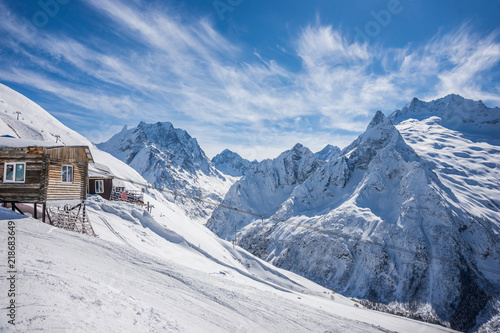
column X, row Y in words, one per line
column 264, row 188
column 454, row 112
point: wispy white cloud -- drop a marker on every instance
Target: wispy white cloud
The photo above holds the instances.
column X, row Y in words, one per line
column 111, row 105
column 168, row 68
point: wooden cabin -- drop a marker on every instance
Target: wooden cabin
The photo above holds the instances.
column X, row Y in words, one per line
column 37, row 174
column 100, row 180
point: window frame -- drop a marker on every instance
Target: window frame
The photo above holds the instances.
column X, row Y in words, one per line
column 102, row 186
column 62, row 174
column 5, row 180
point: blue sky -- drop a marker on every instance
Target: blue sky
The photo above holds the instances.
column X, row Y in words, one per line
column 252, row 76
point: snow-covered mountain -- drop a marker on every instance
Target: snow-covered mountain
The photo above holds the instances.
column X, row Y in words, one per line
column 169, row 158
column 155, row 272
column 230, row 163
column 378, row 191
column 328, row 153
column 264, row 188
column 460, row 139
column 456, row 113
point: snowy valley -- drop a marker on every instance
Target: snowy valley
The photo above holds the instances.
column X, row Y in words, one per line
column 418, row 180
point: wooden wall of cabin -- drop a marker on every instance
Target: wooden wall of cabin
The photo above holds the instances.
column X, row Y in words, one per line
column 33, row 188
column 108, row 187
column 68, row 153
column 57, row 190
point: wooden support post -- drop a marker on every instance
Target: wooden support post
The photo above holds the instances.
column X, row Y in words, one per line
column 13, row 206
column 83, row 212
column 35, row 211
column 44, row 208
column 50, row 220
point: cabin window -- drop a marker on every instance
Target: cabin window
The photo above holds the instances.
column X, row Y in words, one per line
column 67, row 174
column 99, row 186
column 14, row 172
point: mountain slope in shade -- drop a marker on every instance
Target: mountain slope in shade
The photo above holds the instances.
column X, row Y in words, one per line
column 169, row 158
column 328, row 153
column 379, row 190
column 230, row 163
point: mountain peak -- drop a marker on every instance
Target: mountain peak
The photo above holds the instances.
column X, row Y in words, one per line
column 231, row 163
column 379, row 134
column 378, row 119
column 162, row 141
column 328, row 153
column 454, row 112
column 454, row 97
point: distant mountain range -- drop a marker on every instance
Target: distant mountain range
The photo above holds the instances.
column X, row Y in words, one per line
column 428, row 185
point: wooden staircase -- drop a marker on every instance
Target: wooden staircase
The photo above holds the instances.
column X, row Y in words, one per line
column 73, row 218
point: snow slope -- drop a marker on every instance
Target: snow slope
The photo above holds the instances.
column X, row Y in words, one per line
column 380, row 190
column 136, row 279
column 464, row 153
column 456, row 113
column 34, row 122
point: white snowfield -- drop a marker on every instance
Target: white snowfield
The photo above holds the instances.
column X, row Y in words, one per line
column 140, row 276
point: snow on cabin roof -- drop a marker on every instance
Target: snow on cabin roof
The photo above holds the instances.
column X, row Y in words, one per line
column 20, row 143
column 99, row 171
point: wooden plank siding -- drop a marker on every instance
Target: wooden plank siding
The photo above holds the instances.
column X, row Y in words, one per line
column 43, row 178
column 57, row 190
column 75, row 154
column 31, row 189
